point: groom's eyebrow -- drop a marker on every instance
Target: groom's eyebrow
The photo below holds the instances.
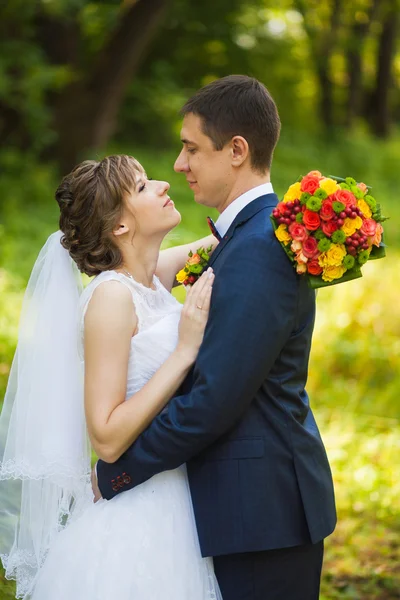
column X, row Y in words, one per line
column 185, row 141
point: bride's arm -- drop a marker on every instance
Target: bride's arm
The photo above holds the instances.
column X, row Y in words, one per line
column 173, row 260
column 110, row 321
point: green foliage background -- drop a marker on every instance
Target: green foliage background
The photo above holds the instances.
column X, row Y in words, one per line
column 354, row 379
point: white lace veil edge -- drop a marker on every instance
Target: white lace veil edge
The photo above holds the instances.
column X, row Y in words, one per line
column 44, row 449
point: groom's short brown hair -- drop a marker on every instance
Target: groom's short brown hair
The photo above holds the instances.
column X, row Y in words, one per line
column 238, row 105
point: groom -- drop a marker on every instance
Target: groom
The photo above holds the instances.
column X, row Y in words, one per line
column 259, row 477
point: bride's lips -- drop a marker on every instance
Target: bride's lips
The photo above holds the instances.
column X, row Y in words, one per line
column 168, row 202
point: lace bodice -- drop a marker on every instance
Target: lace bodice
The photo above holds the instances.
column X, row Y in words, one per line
column 158, row 314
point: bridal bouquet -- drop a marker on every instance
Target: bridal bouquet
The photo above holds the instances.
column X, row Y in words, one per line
column 329, row 227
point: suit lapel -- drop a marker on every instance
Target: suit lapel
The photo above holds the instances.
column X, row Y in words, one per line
column 249, row 211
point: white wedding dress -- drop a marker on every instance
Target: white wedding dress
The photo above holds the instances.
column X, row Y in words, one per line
column 142, row 544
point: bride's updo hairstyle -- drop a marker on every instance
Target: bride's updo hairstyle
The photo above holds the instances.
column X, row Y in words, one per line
column 91, row 200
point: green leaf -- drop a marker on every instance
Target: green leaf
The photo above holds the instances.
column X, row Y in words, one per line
column 378, row 252
column 316, row 282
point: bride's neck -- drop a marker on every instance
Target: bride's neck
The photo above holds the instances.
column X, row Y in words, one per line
column 140, row 259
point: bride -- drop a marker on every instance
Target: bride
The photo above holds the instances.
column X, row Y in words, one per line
column 105, row 360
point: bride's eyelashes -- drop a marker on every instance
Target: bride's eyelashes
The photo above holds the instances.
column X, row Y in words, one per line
column 143, row 186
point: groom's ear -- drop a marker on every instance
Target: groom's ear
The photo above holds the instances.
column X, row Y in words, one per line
column 239, row 149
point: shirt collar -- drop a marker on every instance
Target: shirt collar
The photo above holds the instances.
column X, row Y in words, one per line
column 227, row 217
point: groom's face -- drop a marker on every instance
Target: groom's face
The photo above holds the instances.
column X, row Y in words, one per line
column 208, row 171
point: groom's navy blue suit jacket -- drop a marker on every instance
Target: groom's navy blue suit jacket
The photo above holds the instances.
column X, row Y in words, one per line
column 258, row 472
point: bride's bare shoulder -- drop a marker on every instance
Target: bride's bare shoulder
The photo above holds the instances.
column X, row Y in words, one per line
column 111, row 305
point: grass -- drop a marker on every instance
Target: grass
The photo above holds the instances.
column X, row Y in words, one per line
column 354, row 379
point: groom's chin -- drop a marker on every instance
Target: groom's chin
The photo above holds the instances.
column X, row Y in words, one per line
column 199, row 199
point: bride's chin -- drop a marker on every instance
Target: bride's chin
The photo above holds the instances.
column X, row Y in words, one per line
column 178, row 218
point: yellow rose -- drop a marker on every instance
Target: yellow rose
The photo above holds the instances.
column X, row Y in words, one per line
column 293, row 193
column 335, row 255
column 350, row 226
column 329, row 185
column 282, row 234
column 365, row 209
column 181, row 276
column 333, row 272
column 322, row 259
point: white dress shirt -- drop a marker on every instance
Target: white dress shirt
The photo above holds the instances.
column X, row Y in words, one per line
column 227, row 217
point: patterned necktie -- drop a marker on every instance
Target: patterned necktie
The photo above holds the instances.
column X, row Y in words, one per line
column 213, row 229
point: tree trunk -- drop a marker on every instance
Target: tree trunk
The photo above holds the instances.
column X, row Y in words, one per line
column 326, row 105
column 381, row 95
column 358, row 34
column 87, row 110
column 322, row 46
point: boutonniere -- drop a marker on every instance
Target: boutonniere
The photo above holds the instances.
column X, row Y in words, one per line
column 195, row 265
column 329, row 227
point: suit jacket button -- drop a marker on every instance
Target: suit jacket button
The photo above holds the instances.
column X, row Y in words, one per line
column 127, row 479
column 115, row 488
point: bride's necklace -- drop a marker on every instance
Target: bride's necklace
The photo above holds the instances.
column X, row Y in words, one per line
column 127, row 273
column 132, row 277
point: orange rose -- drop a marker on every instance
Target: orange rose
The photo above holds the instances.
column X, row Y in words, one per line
column 301, row 258
column 281, row 207
column 362, row 186
column 346, row 197
column 376, row 240
column 309, row 184
column 296, row 246
column 194, row 260
column 313, row 267
column 311, row 220
column 369, row 227
column 329, row 227
column 314, row 174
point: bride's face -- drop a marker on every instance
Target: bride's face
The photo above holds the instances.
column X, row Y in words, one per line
column 148, row 209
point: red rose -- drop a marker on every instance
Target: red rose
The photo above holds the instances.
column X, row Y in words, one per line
column 311, row 220
column 298, row 231
column 313, row 267
column 326, row 212
column 369, row 227
column 346, row 197
column 310, row 247
column 281, row 206
column 309, row 184
column 328, row 227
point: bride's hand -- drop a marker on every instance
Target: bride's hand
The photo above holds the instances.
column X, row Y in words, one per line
column 195, row 315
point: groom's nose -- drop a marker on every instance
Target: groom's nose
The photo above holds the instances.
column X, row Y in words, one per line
column 181, row 163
